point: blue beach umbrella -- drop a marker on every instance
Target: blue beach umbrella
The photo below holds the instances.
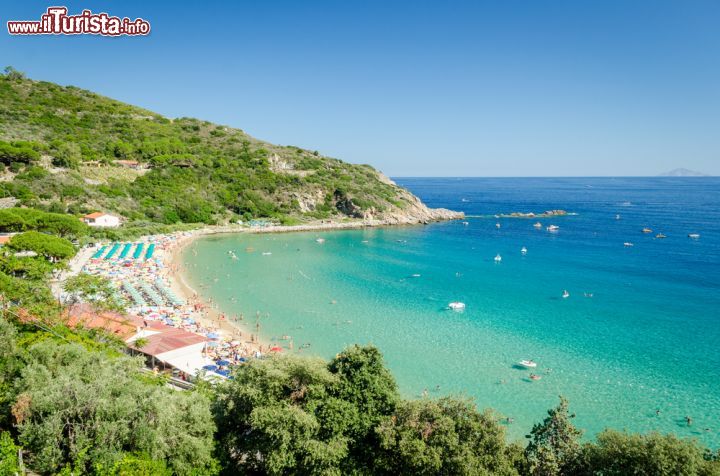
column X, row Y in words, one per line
column 213, row 335
column 211, row 368
column 224, row 373
column 223, row 363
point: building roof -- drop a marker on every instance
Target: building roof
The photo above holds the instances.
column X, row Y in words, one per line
column 164, row 339
column 4, row 239
column 115, row 323
column 168, row 339
column 95, row 215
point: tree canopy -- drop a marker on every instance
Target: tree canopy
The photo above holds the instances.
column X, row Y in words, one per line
column 49, row 246
column 80, row 408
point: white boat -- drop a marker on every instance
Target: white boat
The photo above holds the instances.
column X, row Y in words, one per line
column 320, row 240
column 416, row 275
column 266, row 253
column 538, row 225
column 466, row 223
column 553, row 228
column 617, row 217
column 497, row 225
column 528, row 364
column 694, row 236
column 523, row 250
column 457, row 306
column 628, row 244
column 565, row 294
column 498, row 258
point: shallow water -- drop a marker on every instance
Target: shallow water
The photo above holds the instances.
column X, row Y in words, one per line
column 647, row 339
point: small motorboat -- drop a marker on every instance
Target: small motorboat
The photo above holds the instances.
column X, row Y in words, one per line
column 266, row 253
column 457, row 306
column 497, row 225
column 565, row 294
column 553, row 228
column 498, row 258
column 617, row 217
column 466, row 223
column 660, row 235
column 646, row 230
column 320, row 240
column 529, row 364
column 538, row 225
column 694, row 236
column 535, row 377
column 416, row 275
column 523, row 250
column 628, row 244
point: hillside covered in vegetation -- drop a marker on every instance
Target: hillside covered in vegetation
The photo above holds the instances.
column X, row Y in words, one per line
column 68, row 150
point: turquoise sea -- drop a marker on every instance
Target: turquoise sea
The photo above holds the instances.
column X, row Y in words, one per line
column 648, row 339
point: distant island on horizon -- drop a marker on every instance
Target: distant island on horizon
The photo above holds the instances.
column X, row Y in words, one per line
column 681, row 172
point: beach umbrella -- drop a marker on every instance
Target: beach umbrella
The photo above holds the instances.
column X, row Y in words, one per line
column 211, row 368
column 223, row 363
column 213, row 335
column 224, row 373
column 235, row 342
column 211, row 344
column 276, row 349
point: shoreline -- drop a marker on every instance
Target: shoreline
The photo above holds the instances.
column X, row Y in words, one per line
column 209, row 314
column 213, row 316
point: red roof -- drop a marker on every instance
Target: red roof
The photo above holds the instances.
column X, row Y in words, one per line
column 94, row 215
column 115, row 323
column 168, row 339
column 4, row 239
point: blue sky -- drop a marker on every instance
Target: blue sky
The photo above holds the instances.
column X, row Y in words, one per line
column 483, row 88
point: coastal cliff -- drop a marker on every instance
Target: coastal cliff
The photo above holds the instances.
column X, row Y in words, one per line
column 69, row 150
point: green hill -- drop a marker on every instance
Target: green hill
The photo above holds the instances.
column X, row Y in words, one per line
column 65, row 149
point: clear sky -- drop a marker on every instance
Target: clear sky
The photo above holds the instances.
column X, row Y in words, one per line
column 441, row 88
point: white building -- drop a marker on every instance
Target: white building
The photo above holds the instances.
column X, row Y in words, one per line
column 100, row 219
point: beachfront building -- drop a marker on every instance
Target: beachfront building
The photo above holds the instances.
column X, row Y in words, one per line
column 175, row 347
column 163, row 345
column 99, row 219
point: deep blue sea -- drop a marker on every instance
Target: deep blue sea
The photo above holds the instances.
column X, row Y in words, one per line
column 648, row 339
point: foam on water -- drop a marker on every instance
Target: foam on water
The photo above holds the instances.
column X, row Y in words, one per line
column 648, row 339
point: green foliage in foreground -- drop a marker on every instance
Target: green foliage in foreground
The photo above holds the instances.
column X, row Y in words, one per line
column 9, row 461
column 77, row 406
column 87, row 410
